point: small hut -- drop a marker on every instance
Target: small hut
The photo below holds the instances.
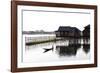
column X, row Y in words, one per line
column 86, row 31
column 67, row 31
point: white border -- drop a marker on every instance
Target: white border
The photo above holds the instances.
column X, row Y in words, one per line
column 19, row 35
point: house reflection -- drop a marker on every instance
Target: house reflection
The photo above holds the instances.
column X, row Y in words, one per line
column 74, row 41
column 86, row 41
column 70, row 50
column 86, row 48
column 86, row 45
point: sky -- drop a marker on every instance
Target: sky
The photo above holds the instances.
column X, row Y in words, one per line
column 50, row 21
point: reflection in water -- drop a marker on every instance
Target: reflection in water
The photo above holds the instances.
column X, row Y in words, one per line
column 71, row 49
column 86, row 41
column 86, row 45
column 86, row 48
column 74, row 41
column 58, row 50
column 68, row 50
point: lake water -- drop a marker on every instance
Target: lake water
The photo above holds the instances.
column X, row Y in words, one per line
column 62, row 50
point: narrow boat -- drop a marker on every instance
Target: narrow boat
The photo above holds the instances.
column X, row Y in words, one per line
column 48, row 49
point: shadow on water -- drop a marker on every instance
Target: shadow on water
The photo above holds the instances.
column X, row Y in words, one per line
column 86, row 41
column 70, row 50
column 86, row 45
column 73, row 44
column 74, row 41
column 86, row 48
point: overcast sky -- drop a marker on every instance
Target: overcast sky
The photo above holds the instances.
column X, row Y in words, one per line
column 50, row 21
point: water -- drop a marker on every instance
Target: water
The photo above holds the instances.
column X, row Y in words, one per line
column 62, row 50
